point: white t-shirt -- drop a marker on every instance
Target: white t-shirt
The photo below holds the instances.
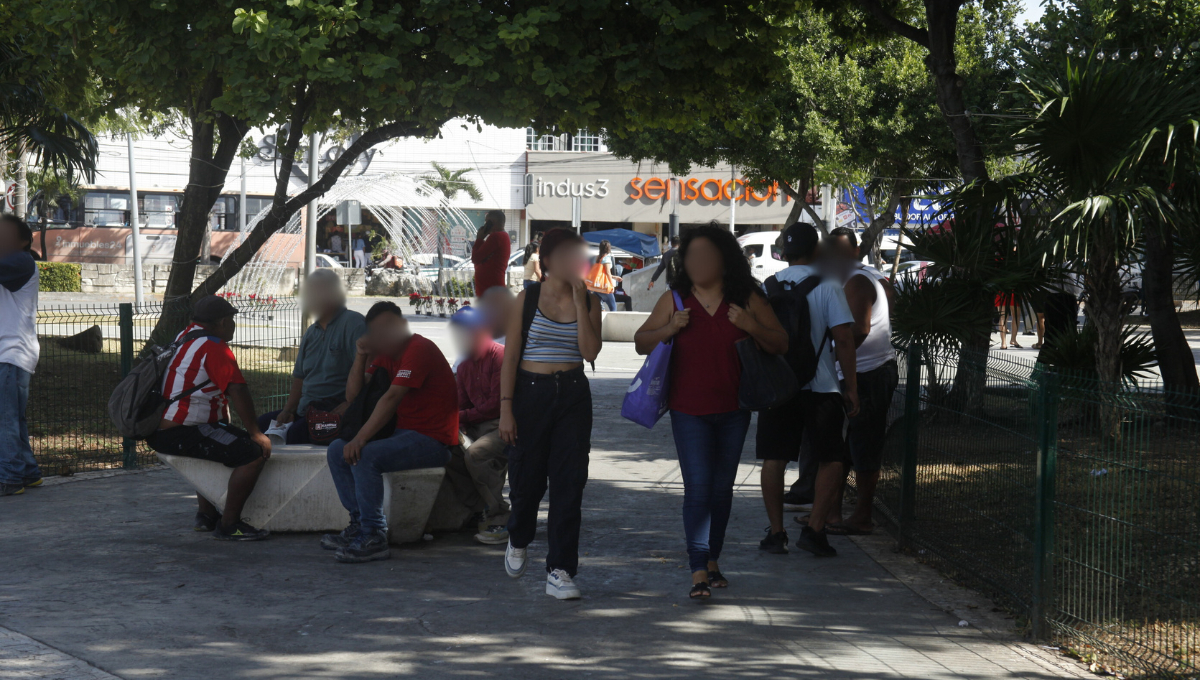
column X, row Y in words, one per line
column 18, row 311
column 827, row 307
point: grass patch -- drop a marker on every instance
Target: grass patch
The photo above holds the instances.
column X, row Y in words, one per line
column 69, row 427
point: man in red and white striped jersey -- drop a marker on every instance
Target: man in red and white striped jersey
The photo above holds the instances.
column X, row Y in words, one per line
column 201, row 383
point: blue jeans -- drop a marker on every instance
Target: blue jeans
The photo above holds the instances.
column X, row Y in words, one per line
column 709, row 448
column 609, row 300
column 360, row 487
column 17, row 464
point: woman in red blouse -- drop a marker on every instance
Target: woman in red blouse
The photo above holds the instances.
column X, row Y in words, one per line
column 722, row 304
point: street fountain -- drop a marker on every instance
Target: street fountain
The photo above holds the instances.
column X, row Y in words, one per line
column 407, row 207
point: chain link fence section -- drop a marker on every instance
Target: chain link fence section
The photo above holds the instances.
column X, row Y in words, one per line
column 87, row 349
column 1074, row 503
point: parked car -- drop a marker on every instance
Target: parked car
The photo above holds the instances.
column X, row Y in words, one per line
column 428, row 262
column 326, row 261
column 765, row 258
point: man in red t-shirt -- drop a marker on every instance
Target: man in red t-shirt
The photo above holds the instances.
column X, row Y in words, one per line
column 202, row 382
column 421, row 404
column 490, row 253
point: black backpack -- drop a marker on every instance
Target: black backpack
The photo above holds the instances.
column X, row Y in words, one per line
column 790, row 302
column 533, row 294
column 363, row 406
column 137, row 404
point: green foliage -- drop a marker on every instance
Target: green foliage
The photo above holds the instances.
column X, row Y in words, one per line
column 1074, row 352
column 993, row 245
column 450, row 182
column 30, row 116
column 849, row 111
column 59, row 277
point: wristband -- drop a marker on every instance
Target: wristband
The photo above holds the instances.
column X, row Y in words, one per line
column 505, row 398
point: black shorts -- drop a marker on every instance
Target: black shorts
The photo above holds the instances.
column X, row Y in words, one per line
column 220, row 442
column 819, row 415
column 867, row 430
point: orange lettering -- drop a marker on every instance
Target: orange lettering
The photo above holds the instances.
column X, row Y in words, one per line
column 655, row 185
column 637, row 190
column 750, row 193
column 693, row 191
column 716, row 195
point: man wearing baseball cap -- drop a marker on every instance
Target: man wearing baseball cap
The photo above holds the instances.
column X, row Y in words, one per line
column 202, row 382
column 477, row 473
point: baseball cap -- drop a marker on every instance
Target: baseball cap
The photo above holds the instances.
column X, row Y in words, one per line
column 469, row 317
column 798, row 240
column 212, row 308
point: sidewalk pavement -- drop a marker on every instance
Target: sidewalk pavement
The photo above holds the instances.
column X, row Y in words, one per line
column 108, row 571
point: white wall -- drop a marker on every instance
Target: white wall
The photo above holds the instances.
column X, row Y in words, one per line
column 497, row 156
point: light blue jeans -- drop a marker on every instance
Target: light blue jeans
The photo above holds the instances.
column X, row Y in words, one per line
column 360, row 487
column 17, row 464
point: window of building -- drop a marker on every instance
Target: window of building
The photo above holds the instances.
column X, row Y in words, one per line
column 586, row 141
column 536, row 142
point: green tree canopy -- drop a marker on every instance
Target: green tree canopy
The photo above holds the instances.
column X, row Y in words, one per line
column 389, row 69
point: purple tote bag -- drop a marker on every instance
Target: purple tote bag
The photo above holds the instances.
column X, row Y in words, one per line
column 646, row 399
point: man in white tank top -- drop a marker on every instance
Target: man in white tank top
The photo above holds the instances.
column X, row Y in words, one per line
column 870, row 298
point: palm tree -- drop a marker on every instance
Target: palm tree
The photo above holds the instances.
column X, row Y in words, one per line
column 1116, row 145
column 30, row 123
column 449, row 183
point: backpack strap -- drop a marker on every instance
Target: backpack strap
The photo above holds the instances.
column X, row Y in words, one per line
column 175, row 346
column 533, row 294
column 805, row 287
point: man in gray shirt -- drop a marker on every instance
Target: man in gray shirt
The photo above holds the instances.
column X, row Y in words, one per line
column 324, row 359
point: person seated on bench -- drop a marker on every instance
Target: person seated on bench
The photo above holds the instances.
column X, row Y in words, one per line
column 421, row 403
column 205, row 378
column 477, row 474
column 324, row 359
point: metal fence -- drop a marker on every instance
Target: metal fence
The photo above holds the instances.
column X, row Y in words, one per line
column 1074, row 502
column 86, row 350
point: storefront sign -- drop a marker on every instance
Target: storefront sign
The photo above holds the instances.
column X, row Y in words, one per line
column 597, row 188
column 692, row 189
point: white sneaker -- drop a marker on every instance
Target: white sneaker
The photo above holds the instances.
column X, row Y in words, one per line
column 560, row 585
column 515, row 561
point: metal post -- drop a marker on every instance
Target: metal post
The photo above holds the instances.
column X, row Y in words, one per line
column 242, row 200
column 125, row 322
column 908, row 465
column 1042, row 603
column 310, row 221
column 20, row 194
column 577, row 214
column 135, row 224
column 732, row 199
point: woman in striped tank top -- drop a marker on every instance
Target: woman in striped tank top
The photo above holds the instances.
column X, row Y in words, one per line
column 546, row 408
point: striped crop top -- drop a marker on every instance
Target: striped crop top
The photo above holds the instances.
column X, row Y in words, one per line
column 551, row 342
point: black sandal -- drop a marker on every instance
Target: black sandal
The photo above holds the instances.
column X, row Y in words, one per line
column 700, row 591
column 718, row 580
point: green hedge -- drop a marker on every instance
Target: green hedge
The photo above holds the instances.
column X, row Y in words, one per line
column 59, row 277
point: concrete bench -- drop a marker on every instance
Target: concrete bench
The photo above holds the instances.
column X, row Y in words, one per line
column 296, row 493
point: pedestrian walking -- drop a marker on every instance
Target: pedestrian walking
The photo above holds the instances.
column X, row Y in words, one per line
column 721, row 304
column 546, row 409
column 532, row 265
column 818, row 412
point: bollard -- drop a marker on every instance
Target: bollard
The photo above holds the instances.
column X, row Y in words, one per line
column 129, row 446
column 1042, row 601
column 908, row 465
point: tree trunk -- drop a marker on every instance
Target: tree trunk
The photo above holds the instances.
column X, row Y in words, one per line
column 1104, row 311
column 215, row 141
column 942, row 18
column 1175, row 360
column 870, row 236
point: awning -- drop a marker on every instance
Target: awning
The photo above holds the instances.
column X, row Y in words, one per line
column 636, row 243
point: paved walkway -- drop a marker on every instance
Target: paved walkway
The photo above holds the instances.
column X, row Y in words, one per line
column 107, row 571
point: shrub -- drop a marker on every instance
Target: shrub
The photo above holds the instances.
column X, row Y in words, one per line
column 59, row 277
